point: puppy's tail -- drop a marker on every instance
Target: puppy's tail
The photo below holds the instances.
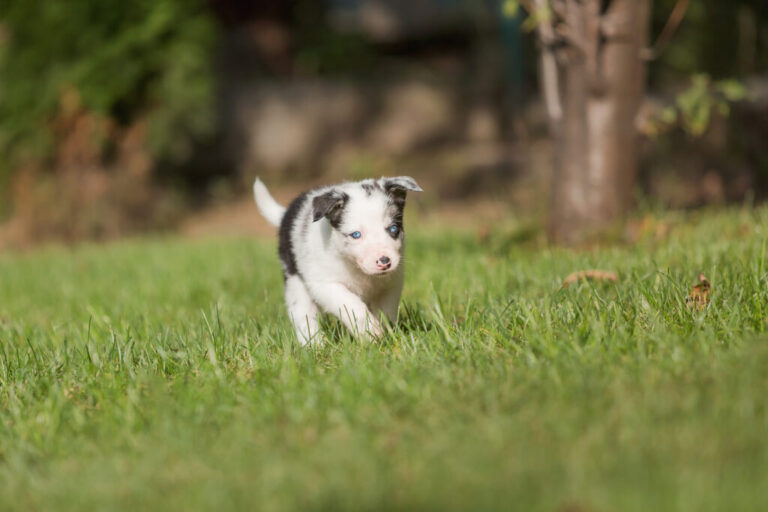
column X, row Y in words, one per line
column 269, row 208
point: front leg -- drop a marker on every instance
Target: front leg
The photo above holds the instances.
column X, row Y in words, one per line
column 337, row 300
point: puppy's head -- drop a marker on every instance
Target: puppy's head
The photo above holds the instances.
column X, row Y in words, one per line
column 367, row 221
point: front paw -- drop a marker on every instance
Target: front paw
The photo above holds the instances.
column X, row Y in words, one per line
column 376, row 330
column 370, row 331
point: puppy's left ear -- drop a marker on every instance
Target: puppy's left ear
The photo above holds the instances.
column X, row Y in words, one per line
column 400, row 183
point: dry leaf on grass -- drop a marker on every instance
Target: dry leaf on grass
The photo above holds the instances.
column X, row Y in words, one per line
column 699, row 296
column 587, row 275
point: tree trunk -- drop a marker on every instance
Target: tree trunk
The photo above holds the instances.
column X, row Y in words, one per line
column 602, row 83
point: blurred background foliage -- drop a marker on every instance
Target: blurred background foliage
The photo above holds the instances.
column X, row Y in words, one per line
column 122, row 112
column 125, row 61
column 722, row 39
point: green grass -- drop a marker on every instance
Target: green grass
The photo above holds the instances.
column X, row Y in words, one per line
column 163, row 374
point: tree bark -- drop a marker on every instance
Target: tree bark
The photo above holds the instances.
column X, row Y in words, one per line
column 596, row 142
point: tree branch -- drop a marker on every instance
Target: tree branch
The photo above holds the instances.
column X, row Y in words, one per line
column 673, row 23
column 550, row 84
column 564, row 32
column 592, row 34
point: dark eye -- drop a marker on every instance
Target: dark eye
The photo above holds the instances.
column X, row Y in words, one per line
column 394, row 230
column 356, row 235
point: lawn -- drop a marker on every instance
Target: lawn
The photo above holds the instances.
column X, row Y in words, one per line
column 162, row 373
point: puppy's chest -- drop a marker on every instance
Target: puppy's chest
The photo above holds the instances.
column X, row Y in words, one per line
column 368, row 288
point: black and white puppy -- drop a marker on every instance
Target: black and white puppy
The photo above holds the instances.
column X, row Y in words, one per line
column 341, row 248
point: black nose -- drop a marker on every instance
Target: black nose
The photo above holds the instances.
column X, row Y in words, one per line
column 384, row 260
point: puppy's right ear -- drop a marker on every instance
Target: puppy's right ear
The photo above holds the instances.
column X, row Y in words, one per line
column 330, row 205
column 400, row 183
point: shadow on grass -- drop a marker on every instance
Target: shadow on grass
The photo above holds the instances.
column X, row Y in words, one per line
column 413, row 320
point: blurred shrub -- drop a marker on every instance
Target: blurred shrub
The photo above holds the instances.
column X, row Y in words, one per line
column 93, row 93
column 693, row 108
column 126, row 61
column 97, row 183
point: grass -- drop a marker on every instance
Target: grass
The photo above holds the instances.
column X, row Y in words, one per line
column 162, row 374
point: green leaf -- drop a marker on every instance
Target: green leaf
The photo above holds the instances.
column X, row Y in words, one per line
column 536, row 17
column 510, row 8
column 668, row 115
column 732, row 90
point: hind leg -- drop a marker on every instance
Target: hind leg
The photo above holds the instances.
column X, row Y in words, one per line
column 302, row 310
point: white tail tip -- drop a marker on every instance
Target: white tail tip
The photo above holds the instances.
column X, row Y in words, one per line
column 269, row 208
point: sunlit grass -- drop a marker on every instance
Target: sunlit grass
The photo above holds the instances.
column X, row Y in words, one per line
column 163, row 374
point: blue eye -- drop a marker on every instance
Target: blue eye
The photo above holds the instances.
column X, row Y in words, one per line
column 394, row 230
column 356, row 235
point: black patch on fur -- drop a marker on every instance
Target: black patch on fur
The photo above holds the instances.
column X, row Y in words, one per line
column 399, row 224
column 331, row 206
column 397, row 190
column 397, row 203
column 284, row 244
column 396, row 208
column 397, row 198
column 370, row 187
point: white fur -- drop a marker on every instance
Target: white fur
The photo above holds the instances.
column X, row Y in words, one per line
column 336, row 273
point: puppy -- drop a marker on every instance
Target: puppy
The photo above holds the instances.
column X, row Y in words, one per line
column 341, row 249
